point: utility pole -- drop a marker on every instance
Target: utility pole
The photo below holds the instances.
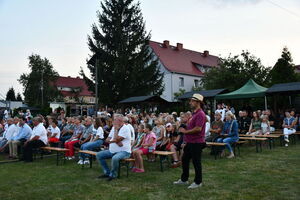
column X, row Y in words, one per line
column 96, row 85
column 42, row 87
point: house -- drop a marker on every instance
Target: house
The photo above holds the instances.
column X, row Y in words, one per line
column 76, row 96
column 183, row 69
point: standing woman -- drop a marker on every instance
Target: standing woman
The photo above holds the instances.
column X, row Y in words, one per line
column 194, row 137
column 231, row 130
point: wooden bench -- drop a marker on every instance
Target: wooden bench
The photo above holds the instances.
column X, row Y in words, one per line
column 124, row 162
column 163, row 155
column 214, row 146
column 257, row 140
column 59, row 152
column 271, row 138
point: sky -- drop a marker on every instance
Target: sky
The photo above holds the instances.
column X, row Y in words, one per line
column 58, row 30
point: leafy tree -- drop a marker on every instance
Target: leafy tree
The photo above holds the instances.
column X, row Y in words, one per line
column 284, row 70
column 126, row 66
column 19, row 97
column 234, row 71
column 10, row 95
column 179, row 93
column 38, row 83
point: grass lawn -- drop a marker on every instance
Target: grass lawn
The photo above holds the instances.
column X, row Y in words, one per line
column 272, row 174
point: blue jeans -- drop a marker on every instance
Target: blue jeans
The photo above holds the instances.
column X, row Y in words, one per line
column 89, row 146
column 228, row 141
column 115, row 158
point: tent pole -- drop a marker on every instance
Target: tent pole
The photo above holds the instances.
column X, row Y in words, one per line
column 266, row 103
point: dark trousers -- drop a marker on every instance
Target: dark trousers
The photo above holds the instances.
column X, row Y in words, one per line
column 192, row 151
column 27, row 150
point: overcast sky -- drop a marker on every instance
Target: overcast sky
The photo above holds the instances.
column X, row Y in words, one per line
column 58, row 29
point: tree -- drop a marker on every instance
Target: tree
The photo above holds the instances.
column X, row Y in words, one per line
column 10, row 95
column 19, row 97
column 284, row 70
column 126, row 66
column 38, row 83
column 234, row 72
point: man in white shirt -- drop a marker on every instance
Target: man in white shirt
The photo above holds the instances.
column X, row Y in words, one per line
column 38, row 139
column 119, row 140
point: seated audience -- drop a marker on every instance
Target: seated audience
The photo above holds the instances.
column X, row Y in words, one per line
column 37, row 139
column 18, row 140
column 231, row 131
column 95, row 142
column 11, row 131
column 53, row 132
column 177, row 145
column 244, row 122
column 216, row 128
column 265, row 125
column 138, row 141
column 119, row 141
column 148, row 146
column 69, row 144
column 255, row 126
column 288, row 126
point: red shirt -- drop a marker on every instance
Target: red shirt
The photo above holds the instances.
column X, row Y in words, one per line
column 198, row 120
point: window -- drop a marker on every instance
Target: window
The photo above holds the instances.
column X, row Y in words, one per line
column 196, row 83
column 181, row 82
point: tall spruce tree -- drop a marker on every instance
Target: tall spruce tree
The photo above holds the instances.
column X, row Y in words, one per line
column 38, row 83
column 284, row 69
column 126, row 65
column 11, row 95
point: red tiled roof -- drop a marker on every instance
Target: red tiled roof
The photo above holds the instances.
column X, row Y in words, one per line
column 71, row 82
column 184, row 60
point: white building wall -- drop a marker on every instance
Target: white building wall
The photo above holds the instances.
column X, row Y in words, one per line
column 171, row 83
column 188, row 80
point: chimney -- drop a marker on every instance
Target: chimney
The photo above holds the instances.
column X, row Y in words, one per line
column 166, row 43
column 179, row 46
column 206, row 53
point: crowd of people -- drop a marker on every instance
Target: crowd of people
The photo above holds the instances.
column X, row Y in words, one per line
column 133, row 134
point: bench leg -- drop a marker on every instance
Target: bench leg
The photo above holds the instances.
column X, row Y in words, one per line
column 260, row 146
column 238, row 147
column 270, row 142
column 256, row 145
column 119, row 169
column 91, row 161
column 127, row 169
column 161, row 163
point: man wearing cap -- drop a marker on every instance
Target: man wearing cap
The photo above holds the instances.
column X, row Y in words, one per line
column 37, row 139
column 194, row 138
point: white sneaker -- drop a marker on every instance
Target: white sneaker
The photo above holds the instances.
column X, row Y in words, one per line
column 80, row 162
column 287, row 140
column 230, row 156
column 180, row 182
column 72, row 158
column 286, row 145
column 86, row 162
column 194, row 185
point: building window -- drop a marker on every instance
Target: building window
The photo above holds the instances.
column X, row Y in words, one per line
column 196, row 83
column 181, row 82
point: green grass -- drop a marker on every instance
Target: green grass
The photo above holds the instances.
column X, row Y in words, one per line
column 272, row 174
